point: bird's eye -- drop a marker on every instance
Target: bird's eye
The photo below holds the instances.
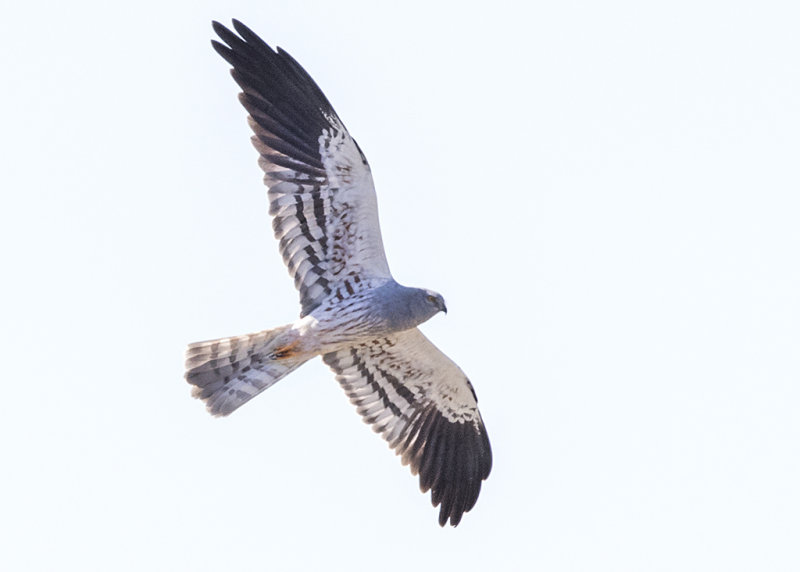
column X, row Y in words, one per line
column 431, row 299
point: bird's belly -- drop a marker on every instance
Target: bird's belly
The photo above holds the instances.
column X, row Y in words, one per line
column 331, row 328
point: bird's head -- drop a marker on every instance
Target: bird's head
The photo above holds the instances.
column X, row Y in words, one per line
column 435, row 301
column 405, row 308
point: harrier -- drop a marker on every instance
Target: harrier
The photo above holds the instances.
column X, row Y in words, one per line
column 353, row 313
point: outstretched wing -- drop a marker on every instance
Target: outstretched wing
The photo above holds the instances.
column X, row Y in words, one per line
column 425, row 407
column 320, row 185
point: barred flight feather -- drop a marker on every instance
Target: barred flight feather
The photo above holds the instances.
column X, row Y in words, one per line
column 228, row 372
column 310, row 162
column 428, row 414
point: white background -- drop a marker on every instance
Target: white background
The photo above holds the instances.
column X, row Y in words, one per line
column 605, row 193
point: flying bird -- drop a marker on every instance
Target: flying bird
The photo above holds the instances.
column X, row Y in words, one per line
column 353, row 313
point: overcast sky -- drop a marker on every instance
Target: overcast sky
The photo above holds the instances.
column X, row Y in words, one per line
column 607, row 194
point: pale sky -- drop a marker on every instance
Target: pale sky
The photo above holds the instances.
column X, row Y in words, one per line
column 607, row 195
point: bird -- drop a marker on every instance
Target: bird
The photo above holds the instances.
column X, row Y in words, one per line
column 353, row 313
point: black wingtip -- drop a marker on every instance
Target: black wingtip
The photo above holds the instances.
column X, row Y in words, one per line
column 454, row 464
column 242, row 30
column 245, row 33
column 223, row 50
column 218, row 27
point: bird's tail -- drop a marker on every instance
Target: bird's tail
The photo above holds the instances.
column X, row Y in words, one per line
column 228, row 372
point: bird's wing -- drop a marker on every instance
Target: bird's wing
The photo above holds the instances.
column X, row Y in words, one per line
column 425, row 408
column 320, row 186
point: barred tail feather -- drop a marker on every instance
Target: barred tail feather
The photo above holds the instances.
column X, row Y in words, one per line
column 228, row 372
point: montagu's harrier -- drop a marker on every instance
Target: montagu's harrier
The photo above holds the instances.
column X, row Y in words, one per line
column 353, row 313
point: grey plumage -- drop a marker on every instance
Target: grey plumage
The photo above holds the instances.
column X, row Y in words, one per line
column 353, row 313
column 227, row 373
